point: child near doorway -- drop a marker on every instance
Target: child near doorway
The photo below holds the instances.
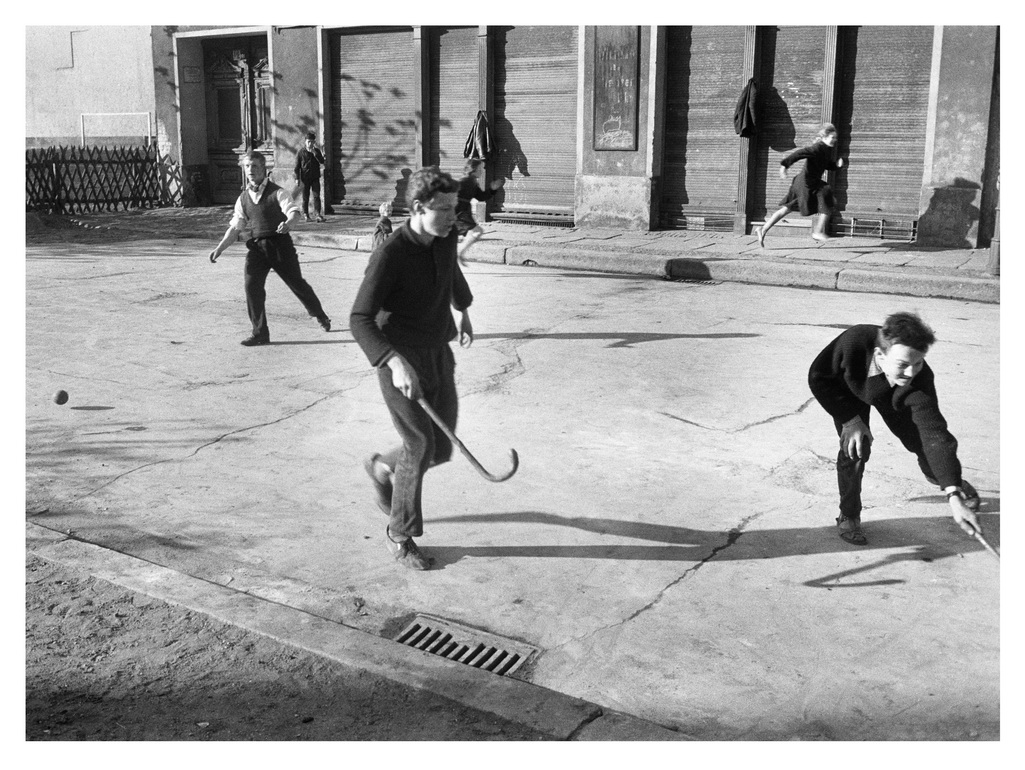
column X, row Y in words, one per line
column 383, row 228
column 308, row 161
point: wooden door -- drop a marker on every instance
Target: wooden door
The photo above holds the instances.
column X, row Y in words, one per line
column 237, row 110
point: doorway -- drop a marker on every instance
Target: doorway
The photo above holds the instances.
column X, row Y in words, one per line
column 238, row 82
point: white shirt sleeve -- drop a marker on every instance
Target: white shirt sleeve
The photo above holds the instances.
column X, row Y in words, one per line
column 239, row 220
column 287, row 202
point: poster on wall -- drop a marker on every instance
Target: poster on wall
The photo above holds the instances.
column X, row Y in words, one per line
column 616, row 64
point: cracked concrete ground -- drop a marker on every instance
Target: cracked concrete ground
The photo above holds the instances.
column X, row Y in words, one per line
column 668, row 542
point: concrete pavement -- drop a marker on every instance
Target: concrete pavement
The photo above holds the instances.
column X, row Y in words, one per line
column 667, row 544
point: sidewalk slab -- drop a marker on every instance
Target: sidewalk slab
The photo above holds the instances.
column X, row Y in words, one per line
column 343, row 241
column 580, row 259
column 755, row 271
column 918, row 284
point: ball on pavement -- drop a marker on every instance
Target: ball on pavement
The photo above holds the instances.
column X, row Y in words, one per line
column 60, row 397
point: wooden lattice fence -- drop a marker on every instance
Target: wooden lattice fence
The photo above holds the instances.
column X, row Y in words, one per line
column 77, row 180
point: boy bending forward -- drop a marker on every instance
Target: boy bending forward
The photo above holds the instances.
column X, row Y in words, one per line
column 885, row 367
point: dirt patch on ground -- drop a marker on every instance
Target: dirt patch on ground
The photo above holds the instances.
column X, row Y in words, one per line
column 107, row 664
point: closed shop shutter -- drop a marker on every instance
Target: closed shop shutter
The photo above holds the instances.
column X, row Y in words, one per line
column 454, row 97
column 535, row 121
column 704, row 80
column 882, row 115
column 373, row 129
column 790, row 106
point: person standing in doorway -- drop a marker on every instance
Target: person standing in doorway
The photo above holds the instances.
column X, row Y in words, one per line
column 308, row 161
column 269, row 211
column 808, row 193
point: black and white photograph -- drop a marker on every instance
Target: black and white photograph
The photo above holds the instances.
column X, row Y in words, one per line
column 627, row 385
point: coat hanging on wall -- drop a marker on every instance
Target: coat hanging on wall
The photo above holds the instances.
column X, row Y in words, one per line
column 478, row 141
column 744, row 115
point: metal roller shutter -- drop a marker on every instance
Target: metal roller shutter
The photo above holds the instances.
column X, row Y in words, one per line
column 454, row 68
column 882, row 115
column 704, row 79
column 535, row 121
column 374, row 127
column 789, row 103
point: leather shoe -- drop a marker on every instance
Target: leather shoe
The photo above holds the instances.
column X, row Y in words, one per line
column 325, row 323
column 850, row 530
column 254, row 340
column 407, row 553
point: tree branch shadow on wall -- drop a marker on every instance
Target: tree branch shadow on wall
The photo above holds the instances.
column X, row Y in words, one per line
column 358, row 161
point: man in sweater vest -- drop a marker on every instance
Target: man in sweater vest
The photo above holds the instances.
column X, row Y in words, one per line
column 269, row 212
column 885, row 367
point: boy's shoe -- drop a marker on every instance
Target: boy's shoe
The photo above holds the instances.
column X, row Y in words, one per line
column 383, row 487
column 320, row 218
column 306, row 217
column 850, row 530
column 407, row 553
column 255, row 340
column 325, row 323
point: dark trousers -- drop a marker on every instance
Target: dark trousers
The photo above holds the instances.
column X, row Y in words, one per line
column 423, row 443
column 276, row 253
column 849, row 473
column 311, row 184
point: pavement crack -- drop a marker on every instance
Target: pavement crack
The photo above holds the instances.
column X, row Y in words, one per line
column 731, row 537
column 774, row 418
column 509, row 370
column 691, row 422
column 207, row 444
column 742, row 428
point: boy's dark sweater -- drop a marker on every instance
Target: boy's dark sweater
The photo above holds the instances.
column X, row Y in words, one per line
column 307, row 163
column 468, row 190
column 416, row 286
column 839, row 380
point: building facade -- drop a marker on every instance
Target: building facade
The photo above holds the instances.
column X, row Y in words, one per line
column 627, row 126
column 77, row 93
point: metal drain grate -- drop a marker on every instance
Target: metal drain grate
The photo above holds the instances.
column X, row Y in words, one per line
column 536, row 218
column 465, row 645
column 694, row 281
